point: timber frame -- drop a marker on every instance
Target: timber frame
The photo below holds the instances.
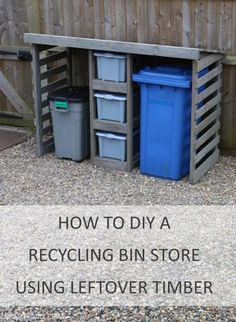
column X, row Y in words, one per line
column 206, row 92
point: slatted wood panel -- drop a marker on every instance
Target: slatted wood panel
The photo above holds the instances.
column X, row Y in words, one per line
column 206, row 109
column 51, row 71
column 193, row 23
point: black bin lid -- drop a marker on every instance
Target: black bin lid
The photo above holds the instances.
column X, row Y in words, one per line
column 74, row 94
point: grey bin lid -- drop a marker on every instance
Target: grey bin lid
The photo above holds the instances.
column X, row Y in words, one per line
column 73, row 94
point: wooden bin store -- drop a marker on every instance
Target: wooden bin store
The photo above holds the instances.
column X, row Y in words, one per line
column 54, row 59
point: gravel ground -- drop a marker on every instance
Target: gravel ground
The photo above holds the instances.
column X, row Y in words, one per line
column 27, row 179
column 113, row 314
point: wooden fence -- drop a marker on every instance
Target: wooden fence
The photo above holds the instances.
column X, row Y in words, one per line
column 208, row 24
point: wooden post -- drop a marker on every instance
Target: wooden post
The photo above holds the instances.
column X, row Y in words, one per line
column 129, row 113
column 92, row 106
column 37, row 100
column 193, row 121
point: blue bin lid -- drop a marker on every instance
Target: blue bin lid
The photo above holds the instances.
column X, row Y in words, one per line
column 165, row 75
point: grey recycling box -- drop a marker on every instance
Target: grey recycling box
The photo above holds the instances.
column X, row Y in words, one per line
column 70, row 117
column 111, row 67
column 113, row 146
column 112, row 107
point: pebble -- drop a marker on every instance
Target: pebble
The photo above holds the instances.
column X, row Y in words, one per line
column 28, row 179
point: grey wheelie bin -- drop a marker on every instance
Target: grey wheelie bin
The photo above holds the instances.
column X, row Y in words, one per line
column 70, row 117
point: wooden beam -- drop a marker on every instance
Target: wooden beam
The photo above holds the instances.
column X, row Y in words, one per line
column 14, row 98
column 108, row 86
column 115, row 46
column 15, row 49
column 229, row 60
column 110, row 126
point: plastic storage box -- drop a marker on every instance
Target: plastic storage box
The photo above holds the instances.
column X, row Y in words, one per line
column 112, row 107
column 113, row 146
column 70, row 116
column 111, row 67
column 165, row 121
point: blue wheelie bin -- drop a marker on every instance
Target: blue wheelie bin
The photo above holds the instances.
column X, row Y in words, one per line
column 165, row 121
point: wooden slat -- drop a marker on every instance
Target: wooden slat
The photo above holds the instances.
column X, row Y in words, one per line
column 115, row 46
column 176, row 23
column 15, row 49
column 142, row 20
column 120, row 18
column 205, row 108
column 110, row 126
column 88, row 18
column 210, row 75
column 48, row 141
column 54, row 85
column 110, row 21
column 200, row 23
column 47, row 129
column 213, row 130
column 209, row 90
column 68, row 15
column 45, row 47
column 165, row 24
column 99, row 19
column 46, row 116
column 8, row 57
column 225, row 26
column 131, row 20
column 69, row 69
column 58, row 21
column 207, row 121
column 212, row 24
column 199, row 156
column 54, row 71
column 52, row 58
column 100, row 85
column 110, row 163
column 153, row 35
column 77, row 18
column 188, row 23
column 44, row 103
column 206, row 166
column 48, row 145
column 207, row 61
column 33, row 15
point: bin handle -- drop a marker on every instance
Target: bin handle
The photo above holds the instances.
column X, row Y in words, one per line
column 61, row 106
